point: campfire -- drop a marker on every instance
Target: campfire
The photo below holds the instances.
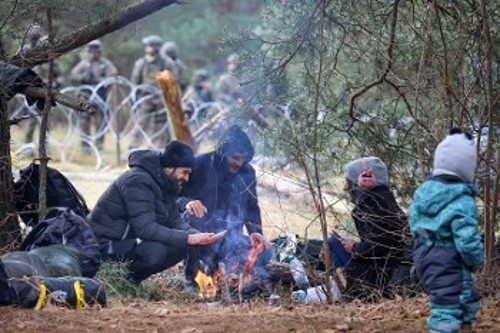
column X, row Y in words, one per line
column 235, row 281
column 208, row 284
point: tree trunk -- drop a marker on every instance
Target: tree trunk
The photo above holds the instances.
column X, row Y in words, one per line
column 9, row 225
column 176, row 116
column 490, row 200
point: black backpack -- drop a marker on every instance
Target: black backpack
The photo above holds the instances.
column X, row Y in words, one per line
column 60, row 193
column 4, row 286
column 70, row 229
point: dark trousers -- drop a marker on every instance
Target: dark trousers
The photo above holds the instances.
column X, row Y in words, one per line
column 147, row 258
column 150, row 120
column 367, row 279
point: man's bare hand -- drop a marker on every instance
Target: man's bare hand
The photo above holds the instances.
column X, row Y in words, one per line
column 203, row 238
column 219, row 235
column 196, row 208
column 348, row 244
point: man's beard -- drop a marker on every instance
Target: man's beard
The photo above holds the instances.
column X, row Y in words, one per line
column 176, row 183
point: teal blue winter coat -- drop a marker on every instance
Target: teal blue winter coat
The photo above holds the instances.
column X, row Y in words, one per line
column 444, row 212
column 443, row 221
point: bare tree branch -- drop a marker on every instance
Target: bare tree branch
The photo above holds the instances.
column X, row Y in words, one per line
column 82, row 36
column 64, row 99
column 381, row 79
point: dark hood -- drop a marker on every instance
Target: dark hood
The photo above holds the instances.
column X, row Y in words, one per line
column 149, row 160
column 234, row 140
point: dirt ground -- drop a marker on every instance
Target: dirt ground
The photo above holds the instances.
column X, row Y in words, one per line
column 140, row 316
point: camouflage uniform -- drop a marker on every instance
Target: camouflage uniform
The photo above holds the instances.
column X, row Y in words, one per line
column 170, row 52
column 92, row 70
column 35, row 37
column 144, row 72
column 228, row 87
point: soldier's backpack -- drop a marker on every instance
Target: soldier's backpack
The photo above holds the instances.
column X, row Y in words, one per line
column 60, row 193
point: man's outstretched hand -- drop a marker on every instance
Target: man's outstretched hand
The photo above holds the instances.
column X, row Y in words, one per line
column 204, row 238
column 196, row 208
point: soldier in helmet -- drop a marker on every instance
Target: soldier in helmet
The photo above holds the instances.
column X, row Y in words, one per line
column 170, row 52
column 201, row 90
column 228, row 87
column 91, row 70
column 35, row 37
column 198, row 94
column 144, row 73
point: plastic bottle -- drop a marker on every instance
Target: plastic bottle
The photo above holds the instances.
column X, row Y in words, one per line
column 299, row 273
column 316, row 295
column 300, row 296
column 274, row 300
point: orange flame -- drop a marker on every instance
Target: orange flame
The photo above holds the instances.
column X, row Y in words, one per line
column 208, row 284
column 253, row 255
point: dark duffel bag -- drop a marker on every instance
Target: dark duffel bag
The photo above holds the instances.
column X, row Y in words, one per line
column 71, row 292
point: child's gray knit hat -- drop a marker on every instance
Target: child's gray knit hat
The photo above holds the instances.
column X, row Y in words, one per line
column 456, row 155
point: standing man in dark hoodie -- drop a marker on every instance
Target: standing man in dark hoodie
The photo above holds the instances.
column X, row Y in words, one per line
column 137, row 217
column 221, row 195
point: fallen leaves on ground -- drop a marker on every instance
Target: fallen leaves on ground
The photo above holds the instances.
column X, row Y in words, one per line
column 162, row 317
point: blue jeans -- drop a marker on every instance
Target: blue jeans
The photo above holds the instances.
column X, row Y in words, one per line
column 338, row 253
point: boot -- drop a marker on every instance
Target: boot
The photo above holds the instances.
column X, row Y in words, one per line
column 466, row 328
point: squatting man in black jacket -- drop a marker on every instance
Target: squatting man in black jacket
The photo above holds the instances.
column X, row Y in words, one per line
column 137, row 218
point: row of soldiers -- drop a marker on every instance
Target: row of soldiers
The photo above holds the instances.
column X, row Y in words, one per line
column 158, row 56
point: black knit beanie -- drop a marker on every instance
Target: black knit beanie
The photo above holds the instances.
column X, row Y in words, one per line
column 177, row 155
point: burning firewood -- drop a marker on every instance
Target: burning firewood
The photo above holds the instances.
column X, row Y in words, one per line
column 226, row 292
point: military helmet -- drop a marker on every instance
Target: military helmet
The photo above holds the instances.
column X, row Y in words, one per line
column 170, row 49
column 200, row 75
column 35, row 32
column 233, row 58
column 152, row 40
column 94, row 45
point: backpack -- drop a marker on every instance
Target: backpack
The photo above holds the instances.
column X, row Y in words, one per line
column 4, row 286
column 72, row 292
column 67, row 228
column 60, row 193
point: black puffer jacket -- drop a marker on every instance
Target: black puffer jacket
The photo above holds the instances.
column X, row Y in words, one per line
column 145, row 198
column 231, row 199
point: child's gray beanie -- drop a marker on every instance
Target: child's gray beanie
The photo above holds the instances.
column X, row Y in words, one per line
column 456, row 155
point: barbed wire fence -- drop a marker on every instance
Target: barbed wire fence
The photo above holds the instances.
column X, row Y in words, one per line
column 119, row 117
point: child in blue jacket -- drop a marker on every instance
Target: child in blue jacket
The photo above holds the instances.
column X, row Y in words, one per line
column 448, row 248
